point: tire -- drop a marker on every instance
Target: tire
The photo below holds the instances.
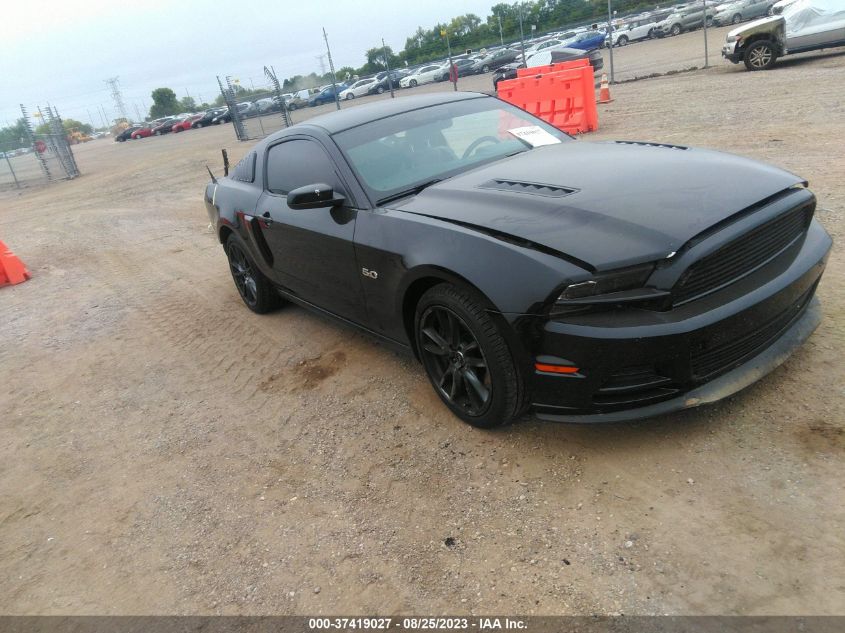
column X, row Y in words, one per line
column 485, row 69
column 651, row 34
column 760, row 55
column 413, row 83
column 675, row 30
column 350, row 96
column 473, row 372
column 255, row 289
column 199, row 125
column 708, row 21
column 380, row 90
column 622, row 41
column 158, row 133
column 736, row 19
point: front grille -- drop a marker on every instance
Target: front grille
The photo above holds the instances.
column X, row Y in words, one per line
column 742, row 256
column 707, row 363
column 634, row 386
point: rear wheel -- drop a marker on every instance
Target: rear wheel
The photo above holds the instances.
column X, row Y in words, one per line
column 760, row 55
column 467, row 359
column 255, row 289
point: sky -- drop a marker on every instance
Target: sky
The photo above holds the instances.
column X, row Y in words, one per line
column 60, row 52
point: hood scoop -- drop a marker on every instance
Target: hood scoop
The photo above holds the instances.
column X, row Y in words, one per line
column 646, row 144
column 537, row 189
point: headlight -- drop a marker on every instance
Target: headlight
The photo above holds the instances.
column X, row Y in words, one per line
column 733, row 38
column 617, row 281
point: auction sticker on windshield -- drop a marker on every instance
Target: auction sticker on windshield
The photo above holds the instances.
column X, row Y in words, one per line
column 534, row 135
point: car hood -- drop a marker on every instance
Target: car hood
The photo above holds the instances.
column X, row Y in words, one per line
column 629, row 202
column 773, row 20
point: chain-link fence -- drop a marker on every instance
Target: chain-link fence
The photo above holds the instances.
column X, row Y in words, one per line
column 38, row 158
column 261, row 113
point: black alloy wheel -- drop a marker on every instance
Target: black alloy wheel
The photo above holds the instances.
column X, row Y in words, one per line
column 255, row 289
column 467, row 360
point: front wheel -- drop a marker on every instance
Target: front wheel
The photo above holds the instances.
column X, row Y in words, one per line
column 158, row 133
column 255, row 289
column 622, row 41
column 199, row 125
column 485, row 68
column 380, row 90
column 413, row 83
column 676, row 29
column 350, row 96
column 760, row 55
column 736, row 19
column 467, row 359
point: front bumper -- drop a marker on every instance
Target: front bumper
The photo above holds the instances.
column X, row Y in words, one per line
column 729, row 52
column 642, row 363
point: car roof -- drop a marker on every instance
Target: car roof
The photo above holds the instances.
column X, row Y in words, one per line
column 334, row 122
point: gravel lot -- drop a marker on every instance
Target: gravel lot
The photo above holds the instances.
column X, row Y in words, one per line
column 166, row 451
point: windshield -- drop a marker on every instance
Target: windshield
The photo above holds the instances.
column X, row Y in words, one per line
column 400, row 152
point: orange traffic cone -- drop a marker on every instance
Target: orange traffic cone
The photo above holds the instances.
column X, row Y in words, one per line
column 12, row 270
column 604, row 91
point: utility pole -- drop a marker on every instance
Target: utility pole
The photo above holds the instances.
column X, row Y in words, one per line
column 331, row 67
column 610, row 35
column 501, row 37
column 103, row 116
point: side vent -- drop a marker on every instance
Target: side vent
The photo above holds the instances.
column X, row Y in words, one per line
column 645, row 144
column 537, row 189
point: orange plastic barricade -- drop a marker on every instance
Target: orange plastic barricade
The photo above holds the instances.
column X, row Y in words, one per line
column 12, row 270
column 561, row 94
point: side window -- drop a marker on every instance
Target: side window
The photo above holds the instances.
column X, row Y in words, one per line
column 298, row 163
column 245, row 169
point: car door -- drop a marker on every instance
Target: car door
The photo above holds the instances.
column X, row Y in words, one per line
column 313, row 253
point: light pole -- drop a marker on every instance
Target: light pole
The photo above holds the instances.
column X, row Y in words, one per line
column 610, row 35
column 445, row 32
column 331, row 67
column 706, row 56
column 522, row 35
column 501, row 37
column 387, row 65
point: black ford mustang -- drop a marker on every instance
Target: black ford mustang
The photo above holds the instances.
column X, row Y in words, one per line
column 588, row 281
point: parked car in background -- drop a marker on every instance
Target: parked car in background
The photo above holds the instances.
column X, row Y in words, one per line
column 298, row 100
column 686, row 19
column 207, row 117
column 247, row 109
column 164, row 126
column 382, row 84
column 184, row 124
column 423, row 75
column 549, row 56
column 804, row 25
column 494, row 60
column 632, row 32
column 462, row 66
column 327, row 95
column 739, row 10
column 126, row 135
column 144, row 131
column 266, row 105
column 586, row 40
column 359, row 89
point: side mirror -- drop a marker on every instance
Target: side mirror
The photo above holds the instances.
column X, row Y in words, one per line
column 316, row 196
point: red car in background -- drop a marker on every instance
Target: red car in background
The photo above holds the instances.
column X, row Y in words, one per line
column 185, row 124
column 143, row 132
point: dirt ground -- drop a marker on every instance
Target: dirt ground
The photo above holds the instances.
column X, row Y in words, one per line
column 163, row 450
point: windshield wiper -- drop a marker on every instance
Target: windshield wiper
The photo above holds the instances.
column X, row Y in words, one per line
column 407, row 192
